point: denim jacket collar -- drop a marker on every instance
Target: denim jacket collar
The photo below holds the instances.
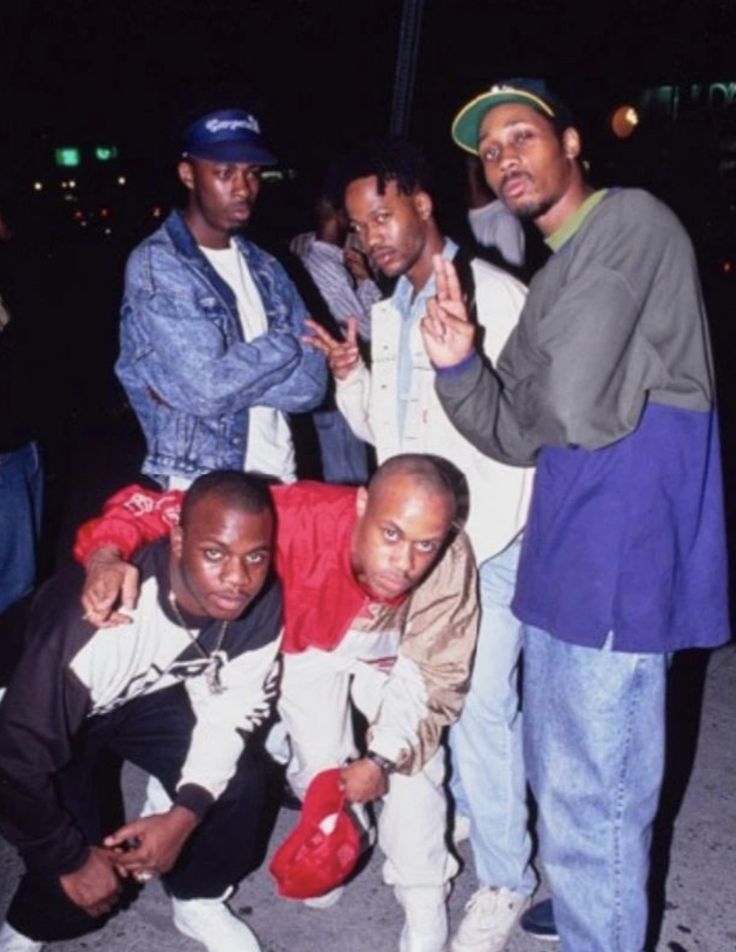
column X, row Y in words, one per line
column 185, row 244
column 261, row 270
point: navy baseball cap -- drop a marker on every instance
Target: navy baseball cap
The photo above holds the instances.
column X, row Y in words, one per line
column 228, row 135
column 530, row 92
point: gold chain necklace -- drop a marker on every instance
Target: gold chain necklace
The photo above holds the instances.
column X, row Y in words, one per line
column 212, row 671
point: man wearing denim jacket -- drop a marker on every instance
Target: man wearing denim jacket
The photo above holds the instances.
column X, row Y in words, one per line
column 211, row 357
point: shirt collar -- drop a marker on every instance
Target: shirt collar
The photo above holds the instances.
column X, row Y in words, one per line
column 570, row 226
column 401, row 298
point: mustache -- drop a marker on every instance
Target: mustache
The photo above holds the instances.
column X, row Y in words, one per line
column 510, row 176
column 377, row 253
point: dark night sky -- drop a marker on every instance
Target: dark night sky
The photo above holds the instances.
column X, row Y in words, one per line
column 321, row 71
column 320, row 75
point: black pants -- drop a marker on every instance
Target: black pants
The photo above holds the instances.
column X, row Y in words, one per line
column 152, row 732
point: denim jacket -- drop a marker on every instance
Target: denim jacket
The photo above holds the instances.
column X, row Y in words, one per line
column 188, row 373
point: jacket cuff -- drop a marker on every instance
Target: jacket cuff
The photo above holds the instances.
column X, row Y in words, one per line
column 194, row 798
column 456, row 370
column 388, row 745
column 45, row 860
column 353, row 377
column 113, row 532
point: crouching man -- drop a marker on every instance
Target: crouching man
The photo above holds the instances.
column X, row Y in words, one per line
column 175, row 691
column 381, row 612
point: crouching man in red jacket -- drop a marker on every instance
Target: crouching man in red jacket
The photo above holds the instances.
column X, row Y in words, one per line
column 380, row 609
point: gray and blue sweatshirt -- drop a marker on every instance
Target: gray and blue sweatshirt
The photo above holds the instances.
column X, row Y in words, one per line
column 607, row 385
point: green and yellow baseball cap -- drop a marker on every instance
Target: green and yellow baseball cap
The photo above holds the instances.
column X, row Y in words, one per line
column 529, row 92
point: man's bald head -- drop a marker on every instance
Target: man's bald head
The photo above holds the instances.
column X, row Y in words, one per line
column 405, row 518
column 430, row 474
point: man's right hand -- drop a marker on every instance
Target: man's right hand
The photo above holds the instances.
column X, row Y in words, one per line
column 448, row 334
column 343, row 356
column 159, row 840
column 95, row 886
column 109, row 581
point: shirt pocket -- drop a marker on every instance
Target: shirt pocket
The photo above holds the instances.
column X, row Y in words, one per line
column 213, row 310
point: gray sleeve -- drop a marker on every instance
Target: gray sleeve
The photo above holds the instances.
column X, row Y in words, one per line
column 575, row 374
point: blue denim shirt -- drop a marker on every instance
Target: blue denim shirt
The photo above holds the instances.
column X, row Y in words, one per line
column 413, row 310
column 188, row 373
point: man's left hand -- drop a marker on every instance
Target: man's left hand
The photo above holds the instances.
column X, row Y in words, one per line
column 356, row 263
column 158, row 841
column 363, row 781
column 343, row 356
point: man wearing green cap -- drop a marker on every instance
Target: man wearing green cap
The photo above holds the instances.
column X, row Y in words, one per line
column 606, row 384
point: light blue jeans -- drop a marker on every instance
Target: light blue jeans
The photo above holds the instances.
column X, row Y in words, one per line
column 488, row 778
column 21, row 490
column 594, row 743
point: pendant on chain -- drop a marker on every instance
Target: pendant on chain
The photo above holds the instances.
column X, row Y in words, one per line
column 213, row 679
column 212, row 671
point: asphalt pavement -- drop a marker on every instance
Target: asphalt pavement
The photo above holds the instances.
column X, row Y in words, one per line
column 693, row 893
column 696, row 854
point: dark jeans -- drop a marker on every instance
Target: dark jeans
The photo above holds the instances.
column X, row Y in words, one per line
column 344, row 457
column 152, row 732
column 21, row 490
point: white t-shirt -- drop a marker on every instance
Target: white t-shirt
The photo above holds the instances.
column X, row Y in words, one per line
column 494, row 226
column 270, row 448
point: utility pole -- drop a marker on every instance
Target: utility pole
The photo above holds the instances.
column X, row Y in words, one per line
column 406, row 66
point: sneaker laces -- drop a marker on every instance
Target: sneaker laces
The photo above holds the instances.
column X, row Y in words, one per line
column 483, row 900
column 493, row 911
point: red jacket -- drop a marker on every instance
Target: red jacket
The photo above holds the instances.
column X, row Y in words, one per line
column 426, row 687
column 314, row 534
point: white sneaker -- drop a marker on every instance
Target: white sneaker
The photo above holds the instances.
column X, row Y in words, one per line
column 490, row 916
column 13, row 941
column 211, row 922
column 326, row 900
column 425, row 928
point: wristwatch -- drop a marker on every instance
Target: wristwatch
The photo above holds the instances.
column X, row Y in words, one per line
column 386, row 765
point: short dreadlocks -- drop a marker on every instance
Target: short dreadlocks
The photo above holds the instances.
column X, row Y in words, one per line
column 390, row 160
